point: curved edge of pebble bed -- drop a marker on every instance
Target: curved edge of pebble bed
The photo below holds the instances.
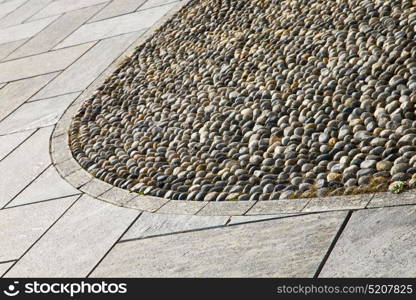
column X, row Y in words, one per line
column 73, row 173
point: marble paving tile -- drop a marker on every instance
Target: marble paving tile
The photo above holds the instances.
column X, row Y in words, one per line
column 22, row 226
column 9, row 6
column 9, row 142
column 275, row 248
column 24, row 164
column 117, row 8
column 77, row 242
column 23, row 12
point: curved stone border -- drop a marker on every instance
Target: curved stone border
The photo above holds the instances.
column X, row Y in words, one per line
column 72, row 172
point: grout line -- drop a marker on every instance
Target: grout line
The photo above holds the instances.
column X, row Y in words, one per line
column 7, row 261
column 21, row 191
column 27, row 129
column 120, row 15
column 14, row 9
column 41, row 201
column 156, row 6
column 51, row 97
column 255, row 202
column 333, row 243
column 43, row 234
column 21, row 143
column 115, row 243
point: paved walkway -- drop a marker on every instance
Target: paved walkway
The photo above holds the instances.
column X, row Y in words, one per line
column 51, row 53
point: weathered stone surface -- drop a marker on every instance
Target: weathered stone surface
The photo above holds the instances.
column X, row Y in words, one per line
column 37, row 114
column 117, row 8
column 233, row 208
column 247, row 219
column 22, row 226
column 55, row 32
column 274, row 248
column 96, row 187
column 338, row 203
column 23, row 31
column 182, row 207
column 48, row 185
column 23, row 12
column 41, row 64
column 16, row 93
column 79, row 178
column 11, row 141
column 278, row 206
column 115, row 26
column 154, row 3
column 146, row 203
column 24, row 164
column 149, row 224
column 80, row 75
column 4, row 267
column 9, row 6
column 390, row 199
column 8, row 48
column 63, row 6
column 117, row 196
column 375, row 243
column 77, row 241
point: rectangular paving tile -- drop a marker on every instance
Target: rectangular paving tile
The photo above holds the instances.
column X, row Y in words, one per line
column 77, row 242
column 84, row 71
column 63, row 6
column 49, row 185
column 9, row 142
column 8, row 48
column 150, row 224
column 147, row 203
column 117, row 196
column 278, row 206
column 37, row 114
column 55, row 32
column 9, row 6
column 22, row 226
column 224, row 208
column 154, row 3
column 182, row 207
column 338, row 203
column 276, row 248
column 390, row 199
column 23, row 12
column 4, row 267
column 24, row 164
column 115, row 26
column 41, row 64
column 117, row 8
column 375, row 243
column 17, row 92
column 23, row 31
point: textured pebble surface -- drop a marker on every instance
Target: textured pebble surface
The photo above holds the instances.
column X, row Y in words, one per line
column 260, row 100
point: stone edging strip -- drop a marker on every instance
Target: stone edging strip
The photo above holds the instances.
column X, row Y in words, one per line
column 72, row 172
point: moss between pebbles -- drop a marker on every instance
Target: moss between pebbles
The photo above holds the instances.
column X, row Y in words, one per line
column 260, row 100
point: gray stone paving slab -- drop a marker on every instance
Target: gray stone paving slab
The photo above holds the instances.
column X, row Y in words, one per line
column 245, row 219
column 23, row 31
column 278, row 206
column 55, row 32
column 4, row 267
column 390, row 199
column 22, row 226
column 115, row 26
column 41, row 64
column 17, row 92
column 149, row 224
column 376, row 243
column 63, row 6
column 147, row 203
column 79, row 178
column 154, row 3
column 48, row 185
column 117, row 196
column 78, row 76
column 9, row 6
column 11, row 141
column 338, row 203
column 24, row 164
column 275, row 248
column 77, row 241
column 96, row 187
column 23, row 12
column 117, row 8
column 8, row 48
column 67, row 167
column 224, row 208
column 37, row 114
column 182, row 207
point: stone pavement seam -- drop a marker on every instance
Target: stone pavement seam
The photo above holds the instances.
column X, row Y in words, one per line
column 42, row 235
column 333, row 243
column 12, row 150
column 114, row 244
column 41, row 201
